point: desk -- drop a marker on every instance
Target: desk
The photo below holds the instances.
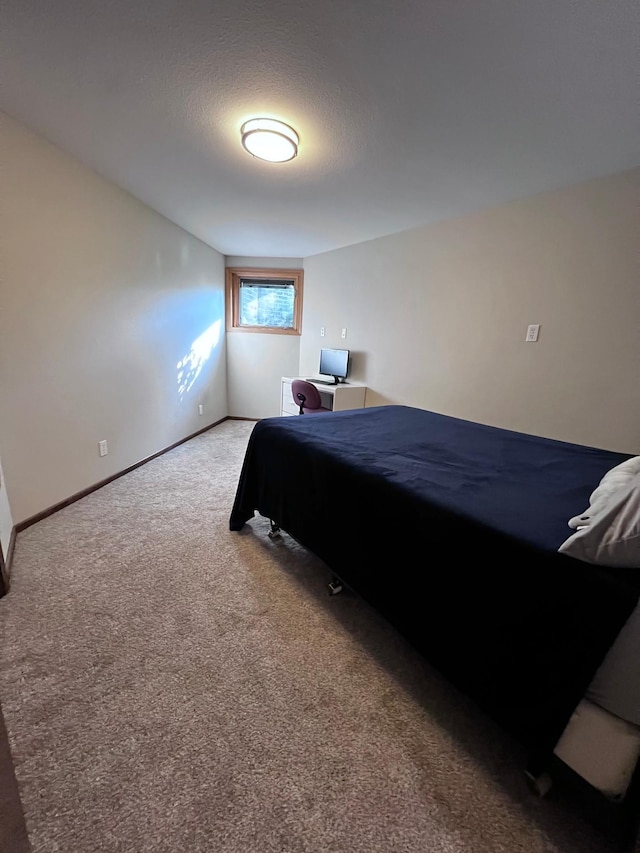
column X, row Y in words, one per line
column 345, row 395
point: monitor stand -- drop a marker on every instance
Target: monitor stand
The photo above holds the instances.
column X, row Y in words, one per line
column 324, row 381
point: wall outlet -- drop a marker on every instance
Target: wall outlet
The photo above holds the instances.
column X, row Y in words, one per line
column 103, row 448
column 322, row 330
column 344, row 334
column 532, row 332
column 200, row 409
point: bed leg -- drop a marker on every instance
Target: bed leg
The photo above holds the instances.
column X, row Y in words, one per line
column 335, row 585
column 539, row 782
column 274, row 533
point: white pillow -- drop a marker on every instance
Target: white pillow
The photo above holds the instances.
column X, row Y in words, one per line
column 615, row 479
column 612, row 536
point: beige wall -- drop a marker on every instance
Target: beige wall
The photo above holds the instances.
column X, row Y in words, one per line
column 101, row 300
column 436, row 317
column 257, row 362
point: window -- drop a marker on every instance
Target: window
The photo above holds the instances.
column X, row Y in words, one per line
column 261, row 300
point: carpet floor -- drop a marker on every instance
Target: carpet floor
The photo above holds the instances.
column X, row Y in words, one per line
column 170, row 686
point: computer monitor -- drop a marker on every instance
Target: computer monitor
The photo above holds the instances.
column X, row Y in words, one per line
column 334, row 362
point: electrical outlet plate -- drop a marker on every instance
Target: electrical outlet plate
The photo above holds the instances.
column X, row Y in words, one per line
column 322, row 330
column 103, row 448
column 532, row 332
column 344, row 334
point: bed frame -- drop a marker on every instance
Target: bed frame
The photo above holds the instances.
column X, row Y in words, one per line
column 451, row 530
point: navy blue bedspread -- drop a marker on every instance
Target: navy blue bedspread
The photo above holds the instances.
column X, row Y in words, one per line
column 450, row 529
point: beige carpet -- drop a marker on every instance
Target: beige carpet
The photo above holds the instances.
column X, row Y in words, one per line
column 171, row 686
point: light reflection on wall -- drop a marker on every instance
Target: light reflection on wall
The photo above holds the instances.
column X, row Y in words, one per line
column 190, row 366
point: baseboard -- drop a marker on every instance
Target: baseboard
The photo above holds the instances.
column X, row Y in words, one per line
column 40, row 516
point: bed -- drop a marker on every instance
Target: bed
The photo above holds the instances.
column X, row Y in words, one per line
column 458, row 533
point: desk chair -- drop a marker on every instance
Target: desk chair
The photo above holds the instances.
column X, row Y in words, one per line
column 307, row 397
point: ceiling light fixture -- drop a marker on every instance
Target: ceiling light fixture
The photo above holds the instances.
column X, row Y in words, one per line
column 270, row 140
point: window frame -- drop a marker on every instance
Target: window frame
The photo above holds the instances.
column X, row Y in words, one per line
column 233, row 278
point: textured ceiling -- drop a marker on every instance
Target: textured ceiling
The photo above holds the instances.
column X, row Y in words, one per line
column 409, row 111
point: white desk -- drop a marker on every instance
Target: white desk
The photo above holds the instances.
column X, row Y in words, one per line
column 345, row 395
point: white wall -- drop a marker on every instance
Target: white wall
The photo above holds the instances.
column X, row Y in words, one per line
column 257, row 362
column 6, row 519
column 437, row 316
column 101, row 300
